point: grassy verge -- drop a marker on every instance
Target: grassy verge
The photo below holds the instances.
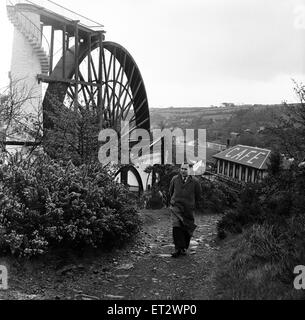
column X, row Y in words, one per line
column 255, row 265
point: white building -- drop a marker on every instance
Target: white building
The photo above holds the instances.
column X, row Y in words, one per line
column 243, row 163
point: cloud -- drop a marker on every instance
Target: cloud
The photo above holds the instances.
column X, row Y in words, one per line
column 196, row 52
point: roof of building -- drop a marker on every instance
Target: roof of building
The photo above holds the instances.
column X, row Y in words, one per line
column 246, row 155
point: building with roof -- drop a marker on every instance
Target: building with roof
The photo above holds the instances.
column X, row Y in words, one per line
column 243, row 163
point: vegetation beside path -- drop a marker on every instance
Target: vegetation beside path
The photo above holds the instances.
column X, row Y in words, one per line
column 141, row 270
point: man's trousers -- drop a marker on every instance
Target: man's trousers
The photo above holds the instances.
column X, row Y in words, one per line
column 181, row 238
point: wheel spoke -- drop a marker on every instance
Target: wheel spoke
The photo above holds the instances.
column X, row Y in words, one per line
column 94, row 70
column 106, row 92
column 128, row 106
column 115, row 101
column 118, row 105
column 139, row 107
column 85, row 96
column 128, row 86
column 120, row 91
column 113, row 86
column 70, row 92
column 91, row 97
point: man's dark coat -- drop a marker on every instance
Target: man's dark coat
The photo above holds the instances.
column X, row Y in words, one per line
column 184, row 197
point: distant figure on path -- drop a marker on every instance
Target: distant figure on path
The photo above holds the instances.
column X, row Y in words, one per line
column 185, row 193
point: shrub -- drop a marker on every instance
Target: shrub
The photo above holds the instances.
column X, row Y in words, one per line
column 154, row 199
column 230, row 222
column 273, row 201
column 158, row 196
column 45, row 204
column 246, row 212
column 217, row 196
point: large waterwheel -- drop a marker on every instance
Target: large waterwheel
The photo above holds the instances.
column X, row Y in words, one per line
column 91, row 75
column 106, row 80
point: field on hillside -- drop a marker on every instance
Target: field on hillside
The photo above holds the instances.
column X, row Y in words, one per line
column 222, row 123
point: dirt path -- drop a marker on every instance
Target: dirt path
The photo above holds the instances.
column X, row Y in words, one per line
column 142, row 270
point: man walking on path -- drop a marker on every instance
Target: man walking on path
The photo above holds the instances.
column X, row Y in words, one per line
column 185, row 192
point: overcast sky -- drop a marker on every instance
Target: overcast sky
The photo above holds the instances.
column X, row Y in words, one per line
column 200, row 52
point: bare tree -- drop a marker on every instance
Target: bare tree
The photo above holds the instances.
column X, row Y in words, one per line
column 19, row 125
column 66, row 133
column 289, row 132
column 70, row 133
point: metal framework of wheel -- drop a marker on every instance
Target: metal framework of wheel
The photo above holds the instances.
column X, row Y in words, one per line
column 106, row 81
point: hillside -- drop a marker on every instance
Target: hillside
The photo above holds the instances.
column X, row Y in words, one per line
column 247, row 121
column 187, row 114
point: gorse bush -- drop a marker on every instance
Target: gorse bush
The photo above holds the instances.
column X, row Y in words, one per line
column 45, row 204
column 273, row 201
column 216, row 196
column 245, row 212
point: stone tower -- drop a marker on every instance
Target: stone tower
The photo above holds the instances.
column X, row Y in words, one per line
column 28, row 60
